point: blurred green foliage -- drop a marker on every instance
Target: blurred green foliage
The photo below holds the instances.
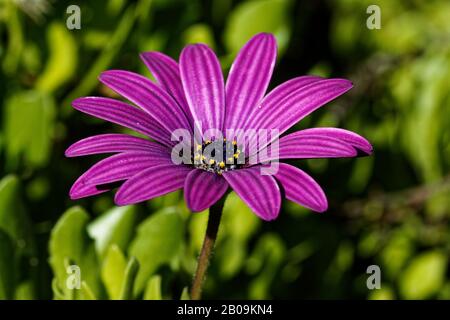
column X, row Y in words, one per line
column 391, row 209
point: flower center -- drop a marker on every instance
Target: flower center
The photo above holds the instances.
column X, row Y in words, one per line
column 218, row 156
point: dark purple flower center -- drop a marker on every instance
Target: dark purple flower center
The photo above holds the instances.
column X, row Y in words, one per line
column 218, row 156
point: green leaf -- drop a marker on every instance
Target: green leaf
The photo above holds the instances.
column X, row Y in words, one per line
column 238, row 219
column 113, row 227
column 185, row 294
column 14, row 219
column 14, row 48
column 69, row 244
column 230, row 257
column 29, row 119
column 131, row 272
column 424, row 276
column 199, row 33
column 384, row 293
column 158, row 241
column 7, row 268
column 251, row 17
column 153, row 289
column 25, row 291
column 113, row 271
column 86, row 292
column 395, row 254
column 57, row 292
column 238, row 224
column 120, row 35
column 265, row 261
column 63, row 58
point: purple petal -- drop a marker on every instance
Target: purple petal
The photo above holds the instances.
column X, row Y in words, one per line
column 202, row 189
column 305, row 146
column 355, row 140
column 260, row 192
column 147, row 95
column 167, row 73
column 151, row 183
column 203, row 85
column 123, row 166
column 112, row 143
column 280, row 93
column 281, row 114
column 248, row 78
column 123, row 114
column 301, row 188
column 81, row 190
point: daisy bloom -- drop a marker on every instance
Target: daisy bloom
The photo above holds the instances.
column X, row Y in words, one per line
column 192, row 93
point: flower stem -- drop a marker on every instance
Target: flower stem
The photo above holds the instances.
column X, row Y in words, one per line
column 215, row 213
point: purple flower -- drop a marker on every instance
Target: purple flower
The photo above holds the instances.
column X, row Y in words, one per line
column 193, row 93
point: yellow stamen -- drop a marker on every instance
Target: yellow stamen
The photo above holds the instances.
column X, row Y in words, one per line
column 236, row 155
column 211, row 161
column 230, row 159
column 199, row 147
column 222, row 164
column 234, row 142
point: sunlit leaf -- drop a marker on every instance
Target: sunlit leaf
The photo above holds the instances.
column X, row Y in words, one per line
column 199, row 33
column 238, row 219
column 158, row 241
column 113, row 227
column 185, row 294
column 265, row 261
column 396, row 253
column 29, row 119
column 251, row 17
column 153, row 289
column 25, row 291
column 131, row 272
column 69, row 243
column 105, row 58
column 384, row 293
column 424, row 276
column 113, row 271
column 63, row 58
column 14, row 219
column 11, row 58
column 86, row 292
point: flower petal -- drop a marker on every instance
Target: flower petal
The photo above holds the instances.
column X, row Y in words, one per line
column 355, row 140
column 279, row 93
column 301, row 188
column 203, row 85
column 112, row 143
column 151, row 183
column 281, row 114
column 147, row 95
column 123, row 114
column 306, row 146
column 260, row 192
column 123, row 166
column 167, row 73
column 249, row 78
column 202, row 189
column 81, row 190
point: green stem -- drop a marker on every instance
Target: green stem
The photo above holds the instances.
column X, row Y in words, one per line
column 215, row 213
